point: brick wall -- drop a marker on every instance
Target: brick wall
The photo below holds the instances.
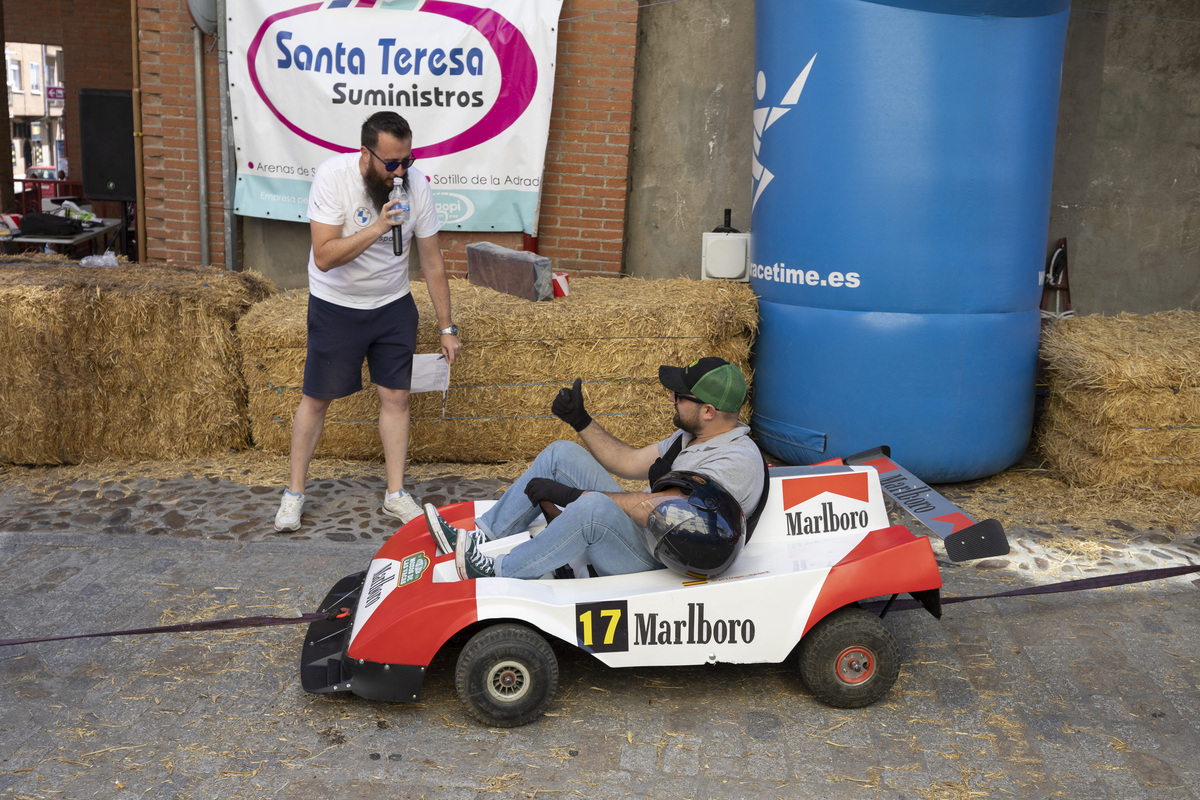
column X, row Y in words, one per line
column 170, row 160
column 586, row 184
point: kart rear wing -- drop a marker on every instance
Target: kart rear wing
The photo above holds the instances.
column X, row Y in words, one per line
column 965, row 539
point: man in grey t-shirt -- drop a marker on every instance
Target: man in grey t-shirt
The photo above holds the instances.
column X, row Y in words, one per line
column 599, row 519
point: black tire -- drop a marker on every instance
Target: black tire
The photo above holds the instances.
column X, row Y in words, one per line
column 506, row 676
column 849, row 659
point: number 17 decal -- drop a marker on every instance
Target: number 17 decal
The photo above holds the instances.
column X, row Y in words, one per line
column 603, row 627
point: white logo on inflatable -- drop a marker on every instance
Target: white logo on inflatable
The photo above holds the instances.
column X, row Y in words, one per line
column 765, row 117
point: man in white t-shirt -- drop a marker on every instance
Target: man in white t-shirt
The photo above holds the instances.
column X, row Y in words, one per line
column 359, row 301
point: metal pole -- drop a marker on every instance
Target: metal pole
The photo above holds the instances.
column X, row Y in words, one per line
column 139, row 174
column 228, row 174
column 201, row 143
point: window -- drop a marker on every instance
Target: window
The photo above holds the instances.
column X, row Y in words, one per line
column 14, row 75
column 54, row 92
column 35, row 77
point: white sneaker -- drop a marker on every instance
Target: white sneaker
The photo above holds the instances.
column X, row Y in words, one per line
column 403, row 507
column 288, row 516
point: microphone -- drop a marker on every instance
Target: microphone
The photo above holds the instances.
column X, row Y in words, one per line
column 397, row 236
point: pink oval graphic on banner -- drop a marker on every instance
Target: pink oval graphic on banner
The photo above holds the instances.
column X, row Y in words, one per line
column 518, row 75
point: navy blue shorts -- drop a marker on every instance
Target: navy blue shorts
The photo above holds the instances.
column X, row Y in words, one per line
column 339, row 338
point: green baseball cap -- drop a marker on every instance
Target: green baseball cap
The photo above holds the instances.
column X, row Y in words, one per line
column 711, row 379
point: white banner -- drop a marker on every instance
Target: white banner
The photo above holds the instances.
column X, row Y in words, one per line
column 474, row 79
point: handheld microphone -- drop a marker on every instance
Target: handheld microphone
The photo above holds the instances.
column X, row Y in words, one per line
column 397, row 236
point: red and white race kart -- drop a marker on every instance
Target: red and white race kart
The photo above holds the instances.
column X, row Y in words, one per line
column 823, row 543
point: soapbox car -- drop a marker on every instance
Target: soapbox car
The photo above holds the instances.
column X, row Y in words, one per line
column 823, row 543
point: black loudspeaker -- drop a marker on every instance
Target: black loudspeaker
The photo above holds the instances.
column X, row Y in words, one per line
column 106, row 133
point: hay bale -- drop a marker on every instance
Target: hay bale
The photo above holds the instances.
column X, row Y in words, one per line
column 1123, row 407
column 126, row 362
column 516, row 355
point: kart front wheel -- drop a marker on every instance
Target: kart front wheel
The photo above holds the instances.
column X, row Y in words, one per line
column 506, row 676
column 849, row 659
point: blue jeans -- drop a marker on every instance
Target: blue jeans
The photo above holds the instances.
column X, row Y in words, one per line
column 593, row 525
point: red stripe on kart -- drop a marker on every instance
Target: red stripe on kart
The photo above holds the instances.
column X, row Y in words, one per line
column 885, row 562
column 958, row 519
column 882, row 465
column 847, row 484
column 416, row 619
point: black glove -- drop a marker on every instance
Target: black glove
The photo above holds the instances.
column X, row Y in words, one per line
column 568, row 406
column 539, row 489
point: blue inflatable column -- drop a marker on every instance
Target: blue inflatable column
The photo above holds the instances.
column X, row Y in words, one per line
column 903, row 156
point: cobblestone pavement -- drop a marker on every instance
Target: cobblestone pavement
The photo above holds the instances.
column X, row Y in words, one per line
column 1090, row 695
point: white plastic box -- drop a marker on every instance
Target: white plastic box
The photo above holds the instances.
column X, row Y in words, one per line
column 725, row 256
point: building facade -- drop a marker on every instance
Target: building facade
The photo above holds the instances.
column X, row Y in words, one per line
column 35, row 106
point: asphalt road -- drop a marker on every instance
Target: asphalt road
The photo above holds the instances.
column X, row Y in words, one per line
column 1084, row 695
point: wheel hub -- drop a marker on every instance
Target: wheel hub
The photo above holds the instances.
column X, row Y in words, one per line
column 855, row 665
column 507, row 681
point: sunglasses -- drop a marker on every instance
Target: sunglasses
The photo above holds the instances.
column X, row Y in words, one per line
column 676, row 397
column 392, row 166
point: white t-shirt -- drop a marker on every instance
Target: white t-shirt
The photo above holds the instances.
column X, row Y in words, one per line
column 376, row 277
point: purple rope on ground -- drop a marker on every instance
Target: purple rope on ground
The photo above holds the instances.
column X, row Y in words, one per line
column 210, row 625
column 1102, row 582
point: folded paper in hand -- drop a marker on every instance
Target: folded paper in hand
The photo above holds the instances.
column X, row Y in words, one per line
column 430, row 373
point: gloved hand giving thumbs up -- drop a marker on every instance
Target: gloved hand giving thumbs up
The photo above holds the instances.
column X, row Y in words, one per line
column 568, row 406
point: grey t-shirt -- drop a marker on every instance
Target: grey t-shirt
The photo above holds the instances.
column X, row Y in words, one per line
column 731, row 459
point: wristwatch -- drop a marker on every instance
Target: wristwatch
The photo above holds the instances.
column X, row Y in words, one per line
column 452, row 330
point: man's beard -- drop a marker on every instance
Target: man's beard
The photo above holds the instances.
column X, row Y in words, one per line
column 377, row 189
column 679, row 422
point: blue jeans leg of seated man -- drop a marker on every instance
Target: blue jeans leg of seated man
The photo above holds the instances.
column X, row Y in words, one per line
column 593, row 524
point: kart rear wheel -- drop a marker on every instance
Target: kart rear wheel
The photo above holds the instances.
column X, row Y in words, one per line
column 506, row 675
column 849, row 659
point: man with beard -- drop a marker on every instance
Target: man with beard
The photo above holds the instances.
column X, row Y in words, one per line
column 599, row 519
column 359, row 302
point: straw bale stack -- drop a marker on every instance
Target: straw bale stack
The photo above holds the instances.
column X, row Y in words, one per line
column 516, row 355
column 126, row 362
column 1124, row 400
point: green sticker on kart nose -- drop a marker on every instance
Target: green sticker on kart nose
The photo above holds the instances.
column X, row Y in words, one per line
column 412, row 568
